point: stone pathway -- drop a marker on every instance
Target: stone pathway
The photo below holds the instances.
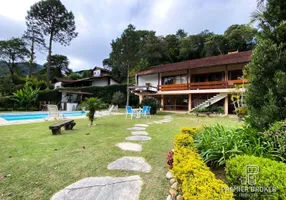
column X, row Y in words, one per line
column 138, row 138
column 139, row 133
column 129, row 163
column 128, row 146
column 102, row 188
column 136, row 129
column 115, row 188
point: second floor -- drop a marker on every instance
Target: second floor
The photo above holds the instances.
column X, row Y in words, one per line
column 216, row 72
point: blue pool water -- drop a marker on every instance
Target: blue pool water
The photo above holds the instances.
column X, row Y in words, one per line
column 36, row 115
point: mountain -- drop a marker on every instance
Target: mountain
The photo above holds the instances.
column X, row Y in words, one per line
column 22, row 68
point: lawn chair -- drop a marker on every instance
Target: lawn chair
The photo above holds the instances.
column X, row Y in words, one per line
column 129, row 111
column 54, row 112
column 146, row 111
column 108, row 111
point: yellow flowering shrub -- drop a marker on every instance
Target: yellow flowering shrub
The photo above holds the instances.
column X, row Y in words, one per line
column 190, row 131
column 196, row 180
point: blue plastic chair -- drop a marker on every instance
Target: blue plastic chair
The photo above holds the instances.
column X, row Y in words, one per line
column 146, row 111
column 129, row 111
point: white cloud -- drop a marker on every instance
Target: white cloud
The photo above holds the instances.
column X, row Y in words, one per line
column 15, row 9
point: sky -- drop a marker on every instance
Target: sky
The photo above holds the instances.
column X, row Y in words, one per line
column 98, row 22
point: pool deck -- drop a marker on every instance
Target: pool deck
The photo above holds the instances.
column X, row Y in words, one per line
column 4, row 122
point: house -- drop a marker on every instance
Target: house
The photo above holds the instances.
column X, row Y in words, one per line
column 71, row 98
column 197, row 83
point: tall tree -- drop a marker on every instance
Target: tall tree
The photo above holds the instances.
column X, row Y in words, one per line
column 125, row 53
column 241, row 37
column 11, row 52
column 181, row 33
column 266, row 93
column 173, row 48
column 216, row 45
column 59, row 65
column 34, row 40
column 55, row 22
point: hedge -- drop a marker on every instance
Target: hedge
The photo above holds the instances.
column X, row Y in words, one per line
column 196, row 179
column 105, row 93
column 268, row 182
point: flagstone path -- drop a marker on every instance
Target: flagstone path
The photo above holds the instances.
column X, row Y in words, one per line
column 115, row 188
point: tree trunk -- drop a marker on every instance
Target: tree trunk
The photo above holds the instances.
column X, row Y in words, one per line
column 127, row 90
column 49, row 61
column 31, row 59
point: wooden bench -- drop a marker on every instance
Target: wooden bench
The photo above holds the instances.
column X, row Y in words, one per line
column 56, row 128
column 203, row 113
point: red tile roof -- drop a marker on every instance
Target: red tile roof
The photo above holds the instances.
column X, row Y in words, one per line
column 235, row 58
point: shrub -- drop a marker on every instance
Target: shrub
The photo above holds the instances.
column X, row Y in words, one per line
column 276, row 138
column 271, row 175
column 118, row 98
column 218, row 143
column 197, row 181
column 190, row 131
column 151, row 101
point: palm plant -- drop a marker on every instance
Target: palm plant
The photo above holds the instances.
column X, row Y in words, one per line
column 92, row 104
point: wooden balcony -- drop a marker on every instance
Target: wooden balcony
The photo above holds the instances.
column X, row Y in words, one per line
column 174, row 87
column 203, row 85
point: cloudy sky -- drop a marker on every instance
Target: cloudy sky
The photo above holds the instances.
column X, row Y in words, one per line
column 100, row 21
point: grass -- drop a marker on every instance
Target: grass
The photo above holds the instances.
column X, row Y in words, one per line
column 41, row 164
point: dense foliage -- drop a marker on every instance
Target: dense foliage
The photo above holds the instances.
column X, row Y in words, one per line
column 271, row 177
column 266, row 93
column 140, row 49
column 152, row 102
column 195, row 178
column 105, row 93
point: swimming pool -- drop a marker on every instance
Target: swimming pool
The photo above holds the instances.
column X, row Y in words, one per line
column 36, row 115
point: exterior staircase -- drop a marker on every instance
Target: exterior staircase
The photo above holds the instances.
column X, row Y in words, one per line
column 210, row 101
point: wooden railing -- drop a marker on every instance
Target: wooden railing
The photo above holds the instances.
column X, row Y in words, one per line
column 208, row 85
column 190, row 86
column 171, row 87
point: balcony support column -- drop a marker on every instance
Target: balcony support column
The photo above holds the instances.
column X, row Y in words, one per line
column 226, row 105
column 190, row 102
column 141, row 97
column 162, row 102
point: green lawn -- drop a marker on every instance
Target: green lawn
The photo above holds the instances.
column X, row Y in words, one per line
column 40, row 163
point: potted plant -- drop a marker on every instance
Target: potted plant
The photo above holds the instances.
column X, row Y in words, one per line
column 92, row 104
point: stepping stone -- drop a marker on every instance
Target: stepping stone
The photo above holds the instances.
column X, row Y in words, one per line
column 158, row 122
column 136, row 129
column 142, row 125
column 102, row 188
column 139, row 133
column 130, row 163
column 149, row 123
column 138, row 138
column 128, row 146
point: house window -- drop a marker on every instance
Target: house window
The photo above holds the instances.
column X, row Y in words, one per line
column 174, row 102
column 175, row 80
column 235, row 75
column 217, row 76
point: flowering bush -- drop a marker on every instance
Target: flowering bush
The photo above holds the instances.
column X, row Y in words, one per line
column 190, row 131
column 276, row 138
column 196, row 179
